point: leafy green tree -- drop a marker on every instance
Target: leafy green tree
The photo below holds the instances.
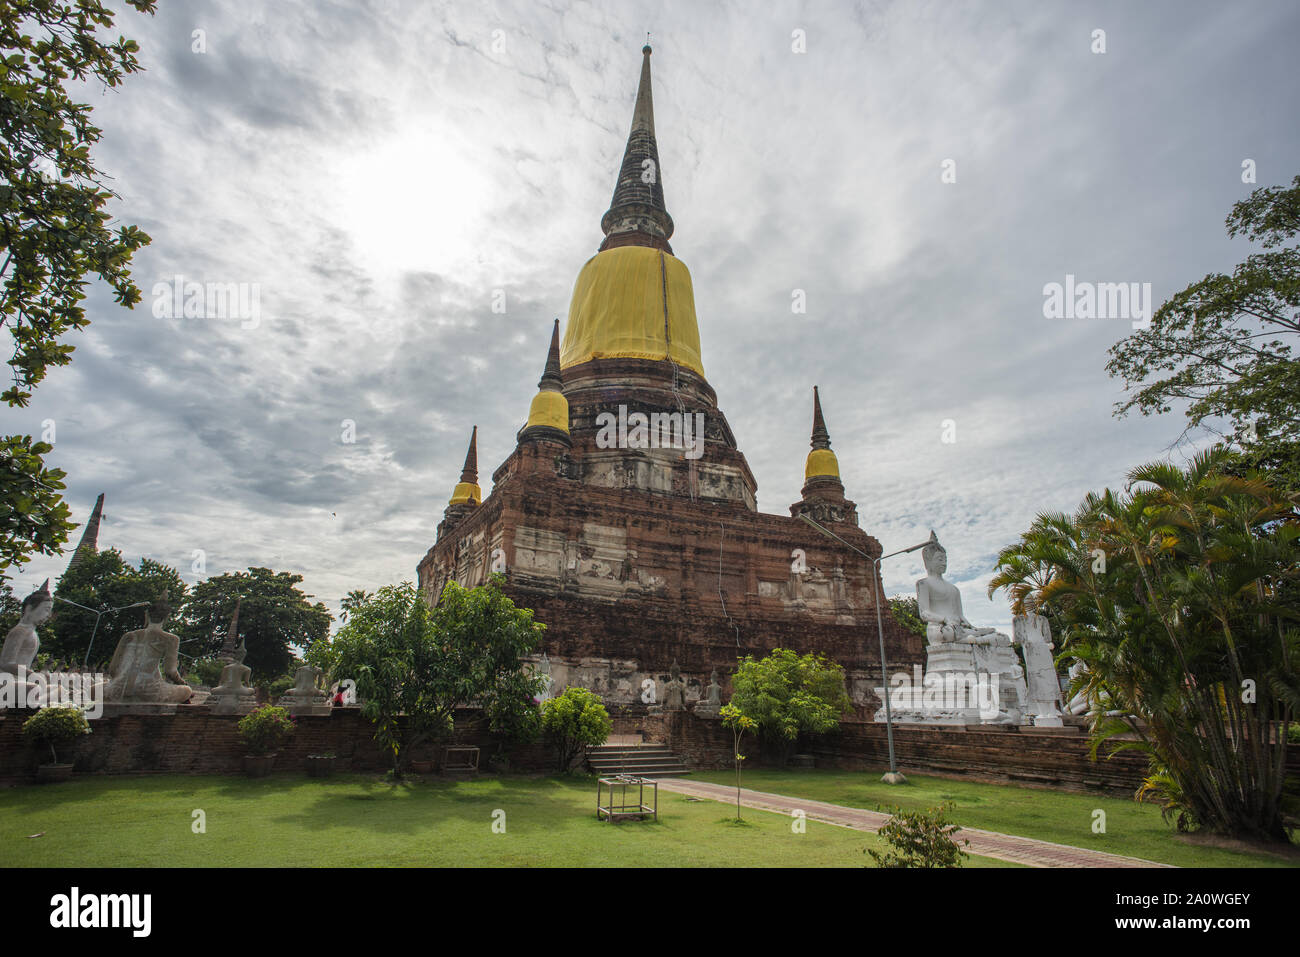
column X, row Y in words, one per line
column 415, row 666
column 55, row 229
column 1180, row 596
column 354, row 599
column 1225, row 344
column 274, row 616
column 906, row 613
column 576, row 722
column 11, row 608
column 920, row 839
column 738, row 723
column 786, row 693
column 103, row 581
column 33, row 515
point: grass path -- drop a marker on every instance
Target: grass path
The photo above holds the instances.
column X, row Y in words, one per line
column 289, row 820
column 1131, row 829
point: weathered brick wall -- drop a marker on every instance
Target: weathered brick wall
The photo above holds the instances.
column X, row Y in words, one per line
column 628, row 580
column 1051, row 757
column 1045, row 757
column 195, row 741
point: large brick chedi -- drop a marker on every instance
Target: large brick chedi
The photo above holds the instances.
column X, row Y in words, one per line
column 626, row 515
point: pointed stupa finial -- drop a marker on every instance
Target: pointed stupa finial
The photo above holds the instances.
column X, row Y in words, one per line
column 467, row 491
column 89, row 544
column 821, row 439
column 637, row 215
column 470, row 471
column 550, row 380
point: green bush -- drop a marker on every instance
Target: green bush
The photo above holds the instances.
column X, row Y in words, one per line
column 1293, row 734
column 266, row 730
column 575, row 721
column 920, row 839
column 787, row 694
column 277, row 686
column 207, row 671
column 54, row 727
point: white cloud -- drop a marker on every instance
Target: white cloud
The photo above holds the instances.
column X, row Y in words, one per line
column 380, row 171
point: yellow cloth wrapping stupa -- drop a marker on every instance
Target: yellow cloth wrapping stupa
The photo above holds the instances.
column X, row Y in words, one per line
column 821, row 462
column 549, row 409
column 617, row 310
column 465, row 493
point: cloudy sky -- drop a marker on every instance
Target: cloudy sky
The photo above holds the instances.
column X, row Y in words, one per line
column 377, row 172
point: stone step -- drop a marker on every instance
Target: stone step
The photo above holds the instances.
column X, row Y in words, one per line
column 643, row 760
column 611, row 763
column 628, row 755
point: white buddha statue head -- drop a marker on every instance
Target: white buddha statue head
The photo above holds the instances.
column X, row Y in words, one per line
column 159, row 611
column 37, row 606
column 934, row 557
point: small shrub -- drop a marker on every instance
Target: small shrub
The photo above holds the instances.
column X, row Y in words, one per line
column 277, row 686
column 920, row 839
column 265, row 730
column 207, row 671
column 576, row 721
column 54, row 727
column 1293, row 733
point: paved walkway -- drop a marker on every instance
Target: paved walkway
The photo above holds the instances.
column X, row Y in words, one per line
column 1004, row 847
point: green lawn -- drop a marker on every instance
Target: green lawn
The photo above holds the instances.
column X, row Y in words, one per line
column 360, row 820
column 1133, row 829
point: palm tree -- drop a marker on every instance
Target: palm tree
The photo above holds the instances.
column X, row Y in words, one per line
column 1179, row 595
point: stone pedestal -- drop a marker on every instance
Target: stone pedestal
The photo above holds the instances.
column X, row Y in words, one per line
column 949, row 656
column 232, row 704
column 948, row 692
column 304, row 707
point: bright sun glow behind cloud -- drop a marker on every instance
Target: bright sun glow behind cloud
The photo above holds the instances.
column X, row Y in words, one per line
column 410, row 202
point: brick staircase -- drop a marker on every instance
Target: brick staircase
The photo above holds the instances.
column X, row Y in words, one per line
column 643, row 760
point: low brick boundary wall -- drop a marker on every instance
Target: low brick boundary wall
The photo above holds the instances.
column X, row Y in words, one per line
column 196, row 741
column 1047, row 757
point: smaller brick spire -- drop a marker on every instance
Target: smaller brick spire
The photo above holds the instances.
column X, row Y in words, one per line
column 89, row 544
column 470, row 472
column 823, row 493
column 548, row 415
column 229, row 645
column 551, row 380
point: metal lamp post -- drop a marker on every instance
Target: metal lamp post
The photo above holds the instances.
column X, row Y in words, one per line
column 98, row 615
column 892, row 776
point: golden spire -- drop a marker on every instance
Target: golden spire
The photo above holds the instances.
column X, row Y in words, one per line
column 634, row 298
column 548, row 416
column 821, row 460
column 467, row 491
